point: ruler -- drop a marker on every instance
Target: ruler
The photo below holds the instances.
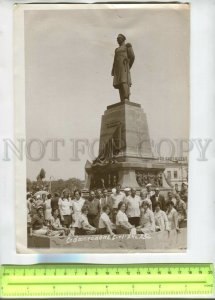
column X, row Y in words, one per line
column 65, row 280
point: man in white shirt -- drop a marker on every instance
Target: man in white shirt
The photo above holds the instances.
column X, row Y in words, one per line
column 133, row 202
column 116, row 198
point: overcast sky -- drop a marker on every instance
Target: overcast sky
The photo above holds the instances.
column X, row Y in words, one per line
column 69, row 56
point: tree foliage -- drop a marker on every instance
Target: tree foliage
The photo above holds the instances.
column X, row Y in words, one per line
column 41, row 175
column 55, row 186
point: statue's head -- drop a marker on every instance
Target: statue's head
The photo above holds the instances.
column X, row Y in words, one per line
column 120, row 38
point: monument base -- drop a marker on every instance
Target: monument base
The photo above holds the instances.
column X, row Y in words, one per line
column 127, row 174
column 125, row 154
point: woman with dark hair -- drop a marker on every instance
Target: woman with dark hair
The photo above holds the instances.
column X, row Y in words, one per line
column 172, row 216
column 122, row 224
column 105, row 224
column 84, row 226
column 38, row 225
column 147, row 220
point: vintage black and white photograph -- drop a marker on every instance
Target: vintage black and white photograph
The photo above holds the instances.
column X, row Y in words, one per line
column 105, row 115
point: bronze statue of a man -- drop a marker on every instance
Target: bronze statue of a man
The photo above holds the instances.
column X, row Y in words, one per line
column 123, row 61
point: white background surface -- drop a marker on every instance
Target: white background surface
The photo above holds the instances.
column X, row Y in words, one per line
column 201, row 215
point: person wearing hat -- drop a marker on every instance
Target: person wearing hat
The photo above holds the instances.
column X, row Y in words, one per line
column 127, row 191
column 123, row 61
column 149, row 192
column 158, row 198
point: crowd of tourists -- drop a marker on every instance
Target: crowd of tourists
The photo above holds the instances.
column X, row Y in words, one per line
column 101, row 212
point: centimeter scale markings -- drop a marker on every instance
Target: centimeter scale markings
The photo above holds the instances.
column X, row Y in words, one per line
column 105, row 280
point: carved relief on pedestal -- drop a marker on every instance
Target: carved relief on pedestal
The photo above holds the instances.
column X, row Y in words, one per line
column 153, row 177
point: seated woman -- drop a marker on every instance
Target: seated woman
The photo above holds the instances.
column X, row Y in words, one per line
column 105, row 224
column 38, row 223
column 56, row 227
column 84, row 226
column 161, row 221
column 147, row 220
column 122, row 224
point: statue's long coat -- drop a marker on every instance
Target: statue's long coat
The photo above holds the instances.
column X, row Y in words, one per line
column 123, row 61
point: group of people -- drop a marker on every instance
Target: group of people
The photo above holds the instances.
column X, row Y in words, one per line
column 120, row 212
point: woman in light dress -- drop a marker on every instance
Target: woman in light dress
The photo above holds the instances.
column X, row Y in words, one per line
column 77, row 204
column 47, row 208
column 161, row 220
column 84, row 226
column 147, row 219
column 122, row 224
column 105, row 224
column 65, row 208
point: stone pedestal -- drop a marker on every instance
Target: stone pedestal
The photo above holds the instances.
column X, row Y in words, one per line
column 131, row 121
column 125, row 153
